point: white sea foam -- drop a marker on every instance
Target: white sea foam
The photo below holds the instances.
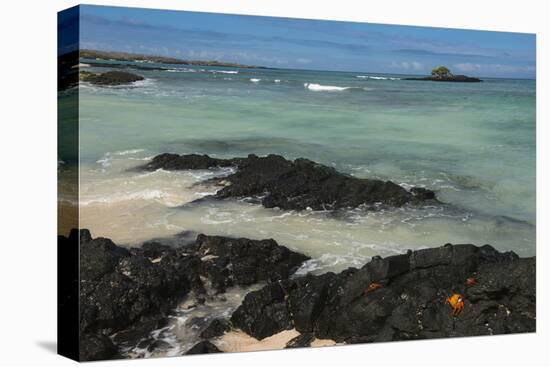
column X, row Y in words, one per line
column 377, row 77
column 328, row 261
column 129, row 151
column 254, row 80
column 328, row 88
column 225, row 71
column 331, row 88
column 181, row 70
column 277, row 80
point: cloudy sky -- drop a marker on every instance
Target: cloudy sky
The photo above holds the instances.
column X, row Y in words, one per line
column 307, row 44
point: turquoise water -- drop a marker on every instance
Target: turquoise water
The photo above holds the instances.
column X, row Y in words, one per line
column 474, row 144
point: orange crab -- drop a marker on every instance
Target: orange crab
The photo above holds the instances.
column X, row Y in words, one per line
column 456, row 301
column 373, row 286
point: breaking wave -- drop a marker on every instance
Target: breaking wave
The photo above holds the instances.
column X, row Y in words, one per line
column 377, row 77
column 329, row 88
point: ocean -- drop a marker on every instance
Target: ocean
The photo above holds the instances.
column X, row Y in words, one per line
column 472, row 143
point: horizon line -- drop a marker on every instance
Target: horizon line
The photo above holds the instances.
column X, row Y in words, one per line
column 280, row 68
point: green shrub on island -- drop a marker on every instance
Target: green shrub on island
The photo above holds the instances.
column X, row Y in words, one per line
column 441, row 72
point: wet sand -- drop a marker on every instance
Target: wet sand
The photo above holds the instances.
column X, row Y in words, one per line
column 239, row 341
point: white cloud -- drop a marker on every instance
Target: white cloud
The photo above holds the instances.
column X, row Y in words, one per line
column 408, row 65
column 303, row 60
column 493, row 68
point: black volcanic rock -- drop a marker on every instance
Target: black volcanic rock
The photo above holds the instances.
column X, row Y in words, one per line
column 110, row 77
column 203, row 347
column 242, row 261
column 99, row 257
column 174, row 162
column 450, row 78
column 217, row 327
column 410, row 302
column 263, row 312
column 298, row 184
column 130, row 292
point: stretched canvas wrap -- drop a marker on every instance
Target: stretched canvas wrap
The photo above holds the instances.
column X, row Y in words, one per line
column 235, row 183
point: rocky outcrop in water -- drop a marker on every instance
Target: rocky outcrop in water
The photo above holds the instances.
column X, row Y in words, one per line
column 297, row 185
column 449, row 78
column 110, row 78
column 130, row 291
column 401, row 297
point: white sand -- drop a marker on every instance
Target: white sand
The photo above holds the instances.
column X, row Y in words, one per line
column 239, row 341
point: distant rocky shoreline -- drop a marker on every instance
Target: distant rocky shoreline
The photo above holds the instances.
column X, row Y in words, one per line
column 126, row 293
column 132, row 57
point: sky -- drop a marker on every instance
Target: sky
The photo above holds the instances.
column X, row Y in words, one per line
column 307, row 44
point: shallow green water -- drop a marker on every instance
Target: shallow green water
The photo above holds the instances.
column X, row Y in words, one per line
column 474, row 144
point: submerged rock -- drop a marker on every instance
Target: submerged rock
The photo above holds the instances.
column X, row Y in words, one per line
column 408, row 302
column 109, row 77
column 129, row 293
column 299, row 184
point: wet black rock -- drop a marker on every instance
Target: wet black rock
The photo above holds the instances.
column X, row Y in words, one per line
column 175, row 162
column 241, row 261
column 408, row 302
column 302, row 340
column 298, row 184
column 217, row 327
column 263, row 312
column 110, row 77
column 118, row 289
column 203, row 347
column 129, row 293
column 99, row 257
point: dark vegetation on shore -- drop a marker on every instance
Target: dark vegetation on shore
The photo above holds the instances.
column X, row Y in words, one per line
column 132, row 57
column 297, row 185
column 129, row 293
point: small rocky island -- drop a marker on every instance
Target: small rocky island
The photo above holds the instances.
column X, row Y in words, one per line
column 109, row 78
column 443, row 74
